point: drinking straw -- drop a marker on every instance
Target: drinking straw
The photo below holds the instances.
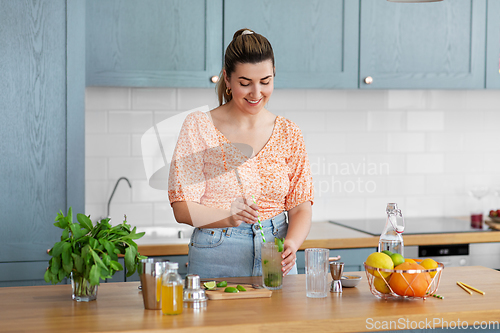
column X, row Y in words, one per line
column 260, row 224
column 474, row 289
column 464, row 288
column 436, row 295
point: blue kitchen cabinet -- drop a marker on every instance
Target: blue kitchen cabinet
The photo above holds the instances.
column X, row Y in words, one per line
column 437, row 45
column 156, row 43
column 42, row 135
column 353, row 259
column 493, row 45
column 315, row 43
column 180, row 259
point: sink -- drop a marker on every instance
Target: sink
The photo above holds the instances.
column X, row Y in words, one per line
column 173, row 233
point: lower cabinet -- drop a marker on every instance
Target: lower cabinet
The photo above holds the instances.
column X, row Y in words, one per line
column 353, row 259
column 25, row 273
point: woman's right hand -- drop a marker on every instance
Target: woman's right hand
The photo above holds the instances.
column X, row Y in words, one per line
column 242, row 212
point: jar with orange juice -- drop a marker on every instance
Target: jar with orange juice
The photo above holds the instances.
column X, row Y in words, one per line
column 172, row 300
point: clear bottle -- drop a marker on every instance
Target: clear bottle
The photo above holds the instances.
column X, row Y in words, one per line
column 391, row 238
column 172, row 300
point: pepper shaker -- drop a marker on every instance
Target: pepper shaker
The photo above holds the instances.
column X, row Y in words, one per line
column 336, row 270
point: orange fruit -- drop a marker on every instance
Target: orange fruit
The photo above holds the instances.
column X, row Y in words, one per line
column 406, row 284
column 410, row 260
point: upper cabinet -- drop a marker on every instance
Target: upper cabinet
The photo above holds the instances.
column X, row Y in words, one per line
column 315, row 43
column 422, row 46
column 367, row 44
column 155, row 43
column 493, row 45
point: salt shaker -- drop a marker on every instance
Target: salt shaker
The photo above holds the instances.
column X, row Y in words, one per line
column 336, row 270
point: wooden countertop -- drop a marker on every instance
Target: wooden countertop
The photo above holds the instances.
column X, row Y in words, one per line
column 119, row 307
column 332, row 236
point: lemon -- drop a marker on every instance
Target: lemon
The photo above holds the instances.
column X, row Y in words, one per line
column 379, row 260
column 231, row 290
column 381, row 286
column 240, row 288
column 429, row 264
column 210, row 285
column 222, row 284
column 397, row 259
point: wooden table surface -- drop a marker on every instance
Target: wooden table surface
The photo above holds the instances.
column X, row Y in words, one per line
column 119, row 307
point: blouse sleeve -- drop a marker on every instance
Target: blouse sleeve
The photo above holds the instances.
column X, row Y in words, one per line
column 186, row 179
column 301, row 186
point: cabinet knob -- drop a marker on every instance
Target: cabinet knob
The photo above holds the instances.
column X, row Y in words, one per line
column 214, row 79
column 368, row 80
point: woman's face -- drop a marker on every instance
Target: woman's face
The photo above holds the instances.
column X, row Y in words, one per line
column 251, row 85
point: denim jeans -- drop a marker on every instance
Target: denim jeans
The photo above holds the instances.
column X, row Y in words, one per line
column 230, row 252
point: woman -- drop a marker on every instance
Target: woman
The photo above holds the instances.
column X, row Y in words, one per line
column 223, row 190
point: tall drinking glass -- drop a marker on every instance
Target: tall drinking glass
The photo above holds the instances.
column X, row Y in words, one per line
column 272, row 277
column 316, row 272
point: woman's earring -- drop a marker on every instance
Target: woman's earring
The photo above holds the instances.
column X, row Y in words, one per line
column 228, row 91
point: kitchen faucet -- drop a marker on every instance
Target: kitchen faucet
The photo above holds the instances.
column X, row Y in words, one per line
column 111, row 197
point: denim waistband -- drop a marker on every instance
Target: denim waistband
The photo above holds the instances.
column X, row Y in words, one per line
column 274, row 222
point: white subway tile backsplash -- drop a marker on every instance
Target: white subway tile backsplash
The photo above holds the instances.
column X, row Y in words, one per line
column 130, row 121
column 287, row 100
column 445, row 142
column 425, row 163
column 96, row 168
column 346, row 121
column 142, row 192
column 424, row 206
column 425, row 121
column 444, row 185
column 420, row 148
column 390, row 121
column 464, row 121
column 327, row 100
column 464, row 163
column 96, row 122
column 406, row 142
column 154, row 98
column 137, row 214
column 308, row 121
column 130, row 167
column 366, row 142
column 407, row 99
column 401, row 185
column 325, row 143
column 107, row 98
column 101, row 145
column 190, row 98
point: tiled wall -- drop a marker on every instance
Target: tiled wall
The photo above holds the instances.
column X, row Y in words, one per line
column 420, row 148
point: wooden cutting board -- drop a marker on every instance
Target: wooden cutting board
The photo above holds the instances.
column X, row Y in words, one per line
column 250, row 293
column 493, row 225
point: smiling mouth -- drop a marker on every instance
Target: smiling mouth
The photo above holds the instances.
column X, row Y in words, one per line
column 253, row 101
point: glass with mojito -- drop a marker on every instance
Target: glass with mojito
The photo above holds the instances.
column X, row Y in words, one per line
column 272, row 277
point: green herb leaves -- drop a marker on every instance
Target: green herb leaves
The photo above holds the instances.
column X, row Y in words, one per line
column 279, row 242
column 91, row 251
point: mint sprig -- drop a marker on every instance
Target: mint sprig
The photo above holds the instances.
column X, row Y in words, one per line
column 91, row 251
column 279, row 242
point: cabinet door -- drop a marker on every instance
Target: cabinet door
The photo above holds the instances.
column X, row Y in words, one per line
column 155, row 43
column 41, row 127
column 315, row 43
column 493, row 45
column 422, row 45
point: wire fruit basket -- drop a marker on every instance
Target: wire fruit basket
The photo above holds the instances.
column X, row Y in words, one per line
column 403, row 284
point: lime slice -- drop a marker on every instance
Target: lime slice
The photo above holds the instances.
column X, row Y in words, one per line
column 231, row 290
column 240, row 288
column 210, row 285
column 222, row 284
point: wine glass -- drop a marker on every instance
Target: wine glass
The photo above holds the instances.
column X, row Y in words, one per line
column 476, row 217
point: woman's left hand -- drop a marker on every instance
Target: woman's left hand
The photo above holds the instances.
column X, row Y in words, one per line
column 289, row 257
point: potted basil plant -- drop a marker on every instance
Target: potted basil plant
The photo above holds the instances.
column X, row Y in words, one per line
column 89, row 252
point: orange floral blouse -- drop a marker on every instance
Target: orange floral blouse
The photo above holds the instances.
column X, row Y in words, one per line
column 207, row 168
